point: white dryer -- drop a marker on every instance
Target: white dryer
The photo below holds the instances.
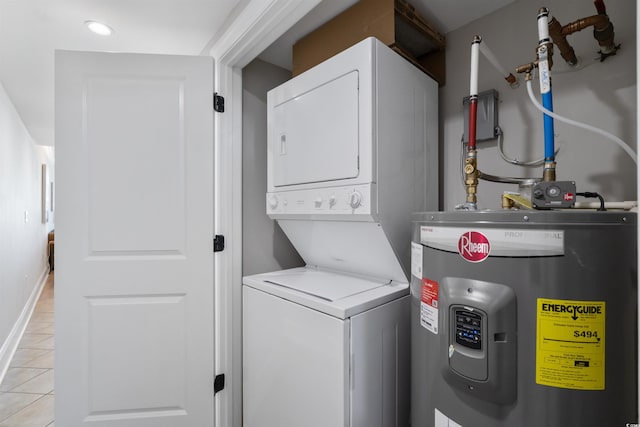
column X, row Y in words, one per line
column 352, row 152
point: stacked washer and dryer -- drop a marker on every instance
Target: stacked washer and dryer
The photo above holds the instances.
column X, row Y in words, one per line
column 352, row 152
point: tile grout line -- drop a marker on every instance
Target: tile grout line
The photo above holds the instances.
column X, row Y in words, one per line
column 22, row 408
column 30, row 379
column 36, row 317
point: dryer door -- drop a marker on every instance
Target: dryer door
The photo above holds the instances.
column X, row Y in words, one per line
column 314, row 136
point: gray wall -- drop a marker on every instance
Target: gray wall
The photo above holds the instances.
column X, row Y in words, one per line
column 23, row 235
column 602, row 94
column 264, row 245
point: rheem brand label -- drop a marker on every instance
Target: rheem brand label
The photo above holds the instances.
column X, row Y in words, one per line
column 511, row 242
column 474, row 246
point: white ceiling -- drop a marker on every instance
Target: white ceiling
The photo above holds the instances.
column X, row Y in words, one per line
column 30, row 31
column 449, row 15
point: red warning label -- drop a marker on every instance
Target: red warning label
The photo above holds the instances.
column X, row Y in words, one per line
column 430, row 292
column 429, row 305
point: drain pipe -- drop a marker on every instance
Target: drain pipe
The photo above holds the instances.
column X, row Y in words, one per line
column 545, row 54
column 471, row 162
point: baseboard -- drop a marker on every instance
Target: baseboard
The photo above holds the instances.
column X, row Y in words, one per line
column 10, row 345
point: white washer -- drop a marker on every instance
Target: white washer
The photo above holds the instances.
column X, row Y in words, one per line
column 324, row 349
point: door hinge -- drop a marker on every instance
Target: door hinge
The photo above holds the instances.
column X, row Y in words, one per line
column 218, row 103
column 218, row 243
column 218, row 383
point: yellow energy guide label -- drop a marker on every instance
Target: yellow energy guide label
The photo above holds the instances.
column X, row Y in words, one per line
column 570, row 344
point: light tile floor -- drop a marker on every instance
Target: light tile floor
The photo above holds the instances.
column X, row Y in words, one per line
column 26, row 393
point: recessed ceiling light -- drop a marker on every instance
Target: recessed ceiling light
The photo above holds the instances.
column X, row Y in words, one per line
column 99, row 28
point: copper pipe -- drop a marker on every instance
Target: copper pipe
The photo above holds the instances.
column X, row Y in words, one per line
column 599, row 22
column 560, row 39
column 602, row 32
column 506, row 202
column 549, row 171
column 471, row 173
column 527, row 68
column 512, row 80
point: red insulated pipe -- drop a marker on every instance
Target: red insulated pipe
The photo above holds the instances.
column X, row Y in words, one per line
column 473, row 115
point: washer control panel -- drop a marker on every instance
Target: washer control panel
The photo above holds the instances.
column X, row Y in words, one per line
column 355, row 199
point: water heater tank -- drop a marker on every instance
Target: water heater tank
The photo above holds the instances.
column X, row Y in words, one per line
column 524, row 318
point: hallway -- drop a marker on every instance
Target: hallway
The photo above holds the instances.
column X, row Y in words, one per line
column 26, row 394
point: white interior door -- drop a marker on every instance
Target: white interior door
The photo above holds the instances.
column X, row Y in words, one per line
column 134, row 229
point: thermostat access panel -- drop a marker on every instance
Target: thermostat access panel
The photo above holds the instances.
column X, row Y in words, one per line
column 468, row 328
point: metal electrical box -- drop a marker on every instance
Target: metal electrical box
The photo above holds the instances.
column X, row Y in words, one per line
column 487, row 119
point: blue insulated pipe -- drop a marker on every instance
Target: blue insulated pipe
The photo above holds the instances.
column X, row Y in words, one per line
column 549, row 145
column 544, row 43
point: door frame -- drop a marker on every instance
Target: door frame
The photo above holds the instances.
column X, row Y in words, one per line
column 251, row 30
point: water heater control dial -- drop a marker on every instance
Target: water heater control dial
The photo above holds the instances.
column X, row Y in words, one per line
column 272, row 200
column 355, row 199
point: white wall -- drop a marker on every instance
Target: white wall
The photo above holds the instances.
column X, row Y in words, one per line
column 23, row 243
column 602, row 94
column 264, row 245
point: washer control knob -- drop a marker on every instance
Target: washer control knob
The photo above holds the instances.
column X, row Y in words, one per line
column 355, row 199
column 318, row 201
column 332, row 201
column 272, row 200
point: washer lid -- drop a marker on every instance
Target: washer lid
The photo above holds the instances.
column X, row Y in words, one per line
column 331, row 292
column 321, row 284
